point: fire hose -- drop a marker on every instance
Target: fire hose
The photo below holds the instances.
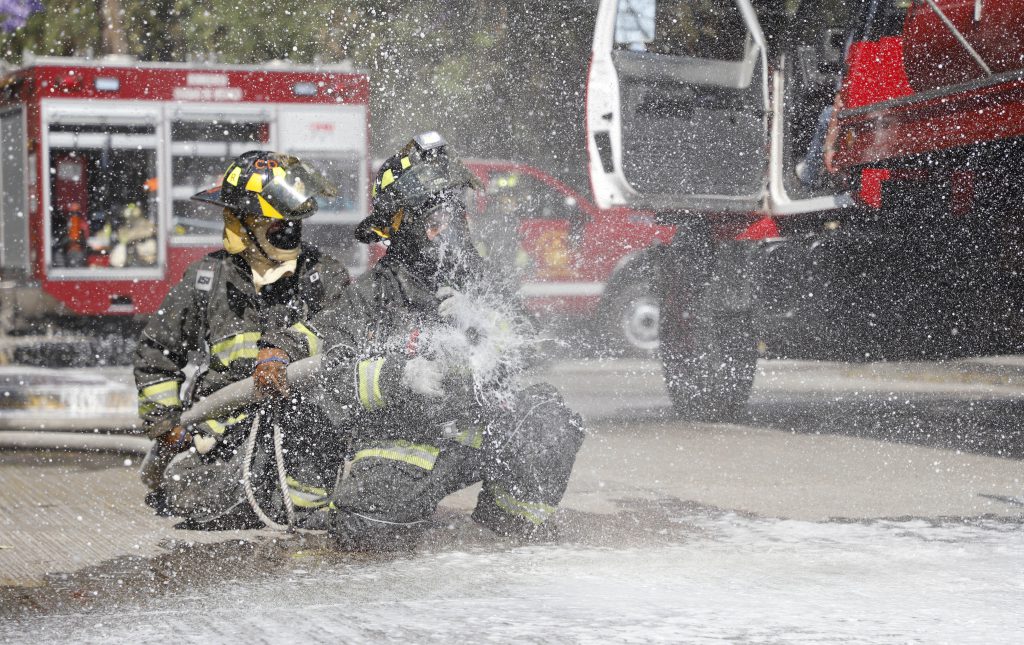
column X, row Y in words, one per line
column 229, row 399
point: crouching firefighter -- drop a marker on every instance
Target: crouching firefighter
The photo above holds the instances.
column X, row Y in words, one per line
column 423, row 362
column 224, row 472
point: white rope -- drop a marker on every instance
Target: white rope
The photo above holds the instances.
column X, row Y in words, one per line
column 250, row 494
column 282, row 475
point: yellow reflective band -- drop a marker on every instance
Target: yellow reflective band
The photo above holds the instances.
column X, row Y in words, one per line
column 157, row 388
column 420, row 455
column 238, row 346
column 306, row 496
column 220, row 427
column 255, row 183
column 305, row 488
column 369, row 383
column 380, row 233
column 396, row 221
column 473, row 438
column 387, row 178
column 405, row 163
column 298, row 499
column 162, row 394
column 267, row 209
column 279, row 172
column 311, row 338
column 233, row 177
column 534, row 512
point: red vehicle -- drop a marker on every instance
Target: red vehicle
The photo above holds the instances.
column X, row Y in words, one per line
column 100, row 159
column 575, row 261
column 882, row 137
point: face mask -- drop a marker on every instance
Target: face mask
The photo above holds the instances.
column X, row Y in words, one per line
column 285, row 234
column 277, row 239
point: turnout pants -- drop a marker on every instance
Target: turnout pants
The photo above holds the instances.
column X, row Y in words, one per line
column 524, row 457
column 209, row 491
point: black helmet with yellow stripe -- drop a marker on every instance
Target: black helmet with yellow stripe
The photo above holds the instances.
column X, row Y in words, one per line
column 269, row 184
column 409, row 182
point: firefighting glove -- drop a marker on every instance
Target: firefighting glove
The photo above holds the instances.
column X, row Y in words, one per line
column 423, row 376
column 270, row 378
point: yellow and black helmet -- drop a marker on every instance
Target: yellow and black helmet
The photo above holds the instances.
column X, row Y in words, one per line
column 411, row 180
column 269, row 184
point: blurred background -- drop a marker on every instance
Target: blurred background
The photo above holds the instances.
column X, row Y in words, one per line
column 501, row 79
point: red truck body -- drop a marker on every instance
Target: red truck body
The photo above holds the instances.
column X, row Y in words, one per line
column 919, row 91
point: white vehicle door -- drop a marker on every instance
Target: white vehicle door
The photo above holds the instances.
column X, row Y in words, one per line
column 677, row 103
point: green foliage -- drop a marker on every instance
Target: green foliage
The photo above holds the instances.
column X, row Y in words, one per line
column 66, row 28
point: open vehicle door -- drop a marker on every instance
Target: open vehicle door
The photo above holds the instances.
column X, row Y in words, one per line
column 677, row 105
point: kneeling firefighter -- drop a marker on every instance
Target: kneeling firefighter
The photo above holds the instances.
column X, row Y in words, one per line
column 215, row 473
column 424, row 425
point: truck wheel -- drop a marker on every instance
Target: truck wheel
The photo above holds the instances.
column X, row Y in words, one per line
column 708, row 360
column 631, row 316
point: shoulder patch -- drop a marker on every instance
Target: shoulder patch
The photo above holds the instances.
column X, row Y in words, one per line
column 204, row 279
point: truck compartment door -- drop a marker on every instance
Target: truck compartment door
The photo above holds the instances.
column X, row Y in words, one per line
column 14, row 239
column 677, row 105
column 102, row 206
column 335, row 142
column 204, row 140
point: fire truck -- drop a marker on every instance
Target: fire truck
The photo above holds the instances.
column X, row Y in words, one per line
column 883, row 138
column 99, row 160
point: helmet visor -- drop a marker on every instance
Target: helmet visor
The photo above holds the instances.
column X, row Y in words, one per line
column 439, row 218
column 424, row 181
column 293, row 187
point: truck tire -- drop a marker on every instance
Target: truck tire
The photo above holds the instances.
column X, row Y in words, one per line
column 708, row 358
column 630, row 316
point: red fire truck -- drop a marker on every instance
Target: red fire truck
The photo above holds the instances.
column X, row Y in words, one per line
column 884, row 137
column 100, row 159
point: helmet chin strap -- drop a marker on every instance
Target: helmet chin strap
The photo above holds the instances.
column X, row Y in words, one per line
column 256, row 242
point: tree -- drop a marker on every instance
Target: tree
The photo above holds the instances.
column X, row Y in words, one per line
column 500, row 78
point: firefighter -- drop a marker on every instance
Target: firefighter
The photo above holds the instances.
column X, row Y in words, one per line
column 263, row 279
column 421, row 431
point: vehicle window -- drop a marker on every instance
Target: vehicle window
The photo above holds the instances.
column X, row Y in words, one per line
column 103, row 201
column 200, row 152
column 711, row 29
column 343, row 171
column 519, row 195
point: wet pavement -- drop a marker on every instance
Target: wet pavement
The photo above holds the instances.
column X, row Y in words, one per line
column 867, row 503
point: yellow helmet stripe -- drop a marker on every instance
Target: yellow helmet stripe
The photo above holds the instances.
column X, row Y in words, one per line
column 255, row 183
column 267, row 209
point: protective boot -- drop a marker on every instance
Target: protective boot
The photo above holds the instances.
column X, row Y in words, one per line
column 531, row 452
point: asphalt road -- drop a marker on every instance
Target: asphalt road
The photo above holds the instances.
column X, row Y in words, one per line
column 844, row 497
